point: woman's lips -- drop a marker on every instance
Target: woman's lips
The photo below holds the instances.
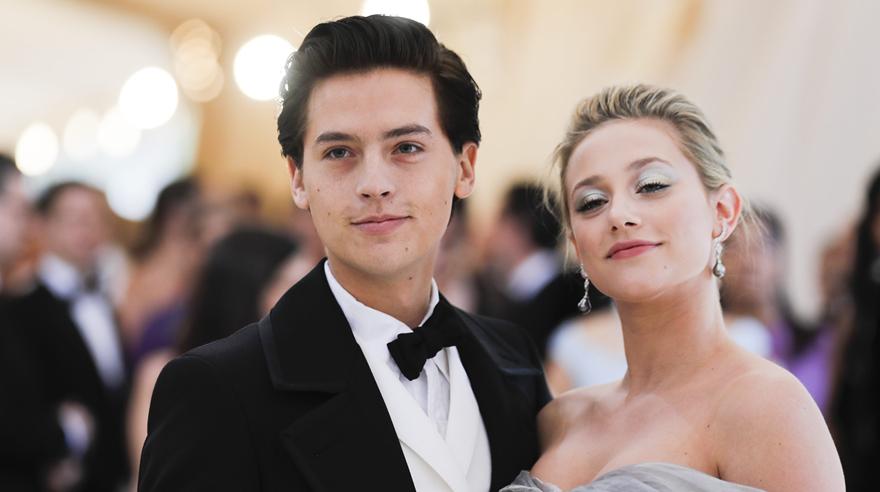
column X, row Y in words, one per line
column 628, row 249
column 632, row 251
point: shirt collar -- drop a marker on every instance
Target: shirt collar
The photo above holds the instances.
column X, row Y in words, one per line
column 59, row 276
column 371, row 326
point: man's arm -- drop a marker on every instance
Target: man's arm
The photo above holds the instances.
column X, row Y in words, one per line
column 197, row 433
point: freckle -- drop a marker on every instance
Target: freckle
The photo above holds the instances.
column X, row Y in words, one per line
column 318, row 190
column 410, row 278
column 406, row 250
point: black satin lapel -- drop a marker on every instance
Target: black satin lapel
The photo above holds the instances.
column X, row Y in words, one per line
column 493, row 398
column 504, row 384
column 349, row 442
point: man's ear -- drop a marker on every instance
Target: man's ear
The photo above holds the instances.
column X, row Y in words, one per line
column 297, row 187
column 467, row 160
column 727, row 207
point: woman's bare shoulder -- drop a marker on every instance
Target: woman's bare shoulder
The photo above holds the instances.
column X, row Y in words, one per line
column 570, row 407
column 769, row 433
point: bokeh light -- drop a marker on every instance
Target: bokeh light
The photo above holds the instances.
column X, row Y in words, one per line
column 148, row 98
column 117, row 137
column 37, row 149
column 80, row 137
column 417, row 10
column 259, row 66
column 132, row 194
column 196, row 49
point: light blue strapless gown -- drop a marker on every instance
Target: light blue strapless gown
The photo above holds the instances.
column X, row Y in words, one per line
column 641, row 477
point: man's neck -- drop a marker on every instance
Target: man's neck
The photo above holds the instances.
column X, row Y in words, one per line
column 405, row 296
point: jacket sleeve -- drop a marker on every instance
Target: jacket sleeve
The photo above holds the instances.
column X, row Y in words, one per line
column 197, row 433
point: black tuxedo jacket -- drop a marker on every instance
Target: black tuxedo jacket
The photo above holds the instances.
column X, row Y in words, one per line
column 290, row 403
column 62, row 369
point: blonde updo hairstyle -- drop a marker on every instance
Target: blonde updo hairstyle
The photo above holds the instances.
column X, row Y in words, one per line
column 696, row 139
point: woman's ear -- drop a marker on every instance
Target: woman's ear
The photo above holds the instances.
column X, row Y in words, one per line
column 727, row 209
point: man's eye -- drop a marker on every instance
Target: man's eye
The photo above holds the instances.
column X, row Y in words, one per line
column 338, row 153
column 408, row 148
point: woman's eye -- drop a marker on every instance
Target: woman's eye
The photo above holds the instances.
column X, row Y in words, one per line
column 652, row 187
column 590, row 203
column 408, row 148
column 338, row 153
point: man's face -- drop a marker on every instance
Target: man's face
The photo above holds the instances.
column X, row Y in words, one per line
column 378, row 173
column 13, row 218
column 76, row 227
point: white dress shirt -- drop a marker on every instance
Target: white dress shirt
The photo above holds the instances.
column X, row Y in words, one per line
column 373, row 330
column 92, row 314
column 454, row 455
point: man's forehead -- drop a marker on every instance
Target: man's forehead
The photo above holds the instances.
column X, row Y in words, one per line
column 371, row 104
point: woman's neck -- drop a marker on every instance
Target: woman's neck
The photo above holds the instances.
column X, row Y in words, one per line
column 671, row 336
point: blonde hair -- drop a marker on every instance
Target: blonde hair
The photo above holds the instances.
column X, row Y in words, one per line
column 696, row 138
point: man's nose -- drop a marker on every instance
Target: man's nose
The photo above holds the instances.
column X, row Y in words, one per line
column 375, row 179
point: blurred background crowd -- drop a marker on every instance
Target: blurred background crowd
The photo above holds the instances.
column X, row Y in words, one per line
column 144, row 204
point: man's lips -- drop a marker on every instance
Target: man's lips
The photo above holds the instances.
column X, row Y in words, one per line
column 379, row 224
column 628, row 249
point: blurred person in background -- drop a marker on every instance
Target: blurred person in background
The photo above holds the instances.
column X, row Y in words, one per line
column 14, row 211
column 758, row 313
column 69, row 332
column 33, row 455
column 854, row 408
column 586, row 351
column 525, row 281
column 455, row 272
column 243, row 275
column 164, row 263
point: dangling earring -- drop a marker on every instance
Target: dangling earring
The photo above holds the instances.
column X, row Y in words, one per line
column 584, row 304
column 719, row 269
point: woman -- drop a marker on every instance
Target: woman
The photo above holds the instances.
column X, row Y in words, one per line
column 648, row 203
column 244, row 275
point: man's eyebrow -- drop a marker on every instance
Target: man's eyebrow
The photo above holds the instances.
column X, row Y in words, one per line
column 406, row 130
column 334, row 137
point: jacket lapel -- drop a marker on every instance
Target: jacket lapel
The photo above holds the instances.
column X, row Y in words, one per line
column 464, row 422
column 346, row 437
column 508, row 414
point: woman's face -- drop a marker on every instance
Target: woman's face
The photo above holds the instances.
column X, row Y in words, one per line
column 641, row 219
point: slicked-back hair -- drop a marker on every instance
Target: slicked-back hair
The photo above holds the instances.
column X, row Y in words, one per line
column 361, row 44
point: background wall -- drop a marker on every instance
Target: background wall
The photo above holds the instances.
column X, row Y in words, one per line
column 790, row 85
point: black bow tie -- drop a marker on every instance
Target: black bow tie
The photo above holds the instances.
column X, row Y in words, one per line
column 411, row 350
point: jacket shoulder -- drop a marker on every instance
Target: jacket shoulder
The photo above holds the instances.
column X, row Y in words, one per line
column 507, row 342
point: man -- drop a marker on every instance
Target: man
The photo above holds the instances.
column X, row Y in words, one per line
column 69, row 332
column 379, row 127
